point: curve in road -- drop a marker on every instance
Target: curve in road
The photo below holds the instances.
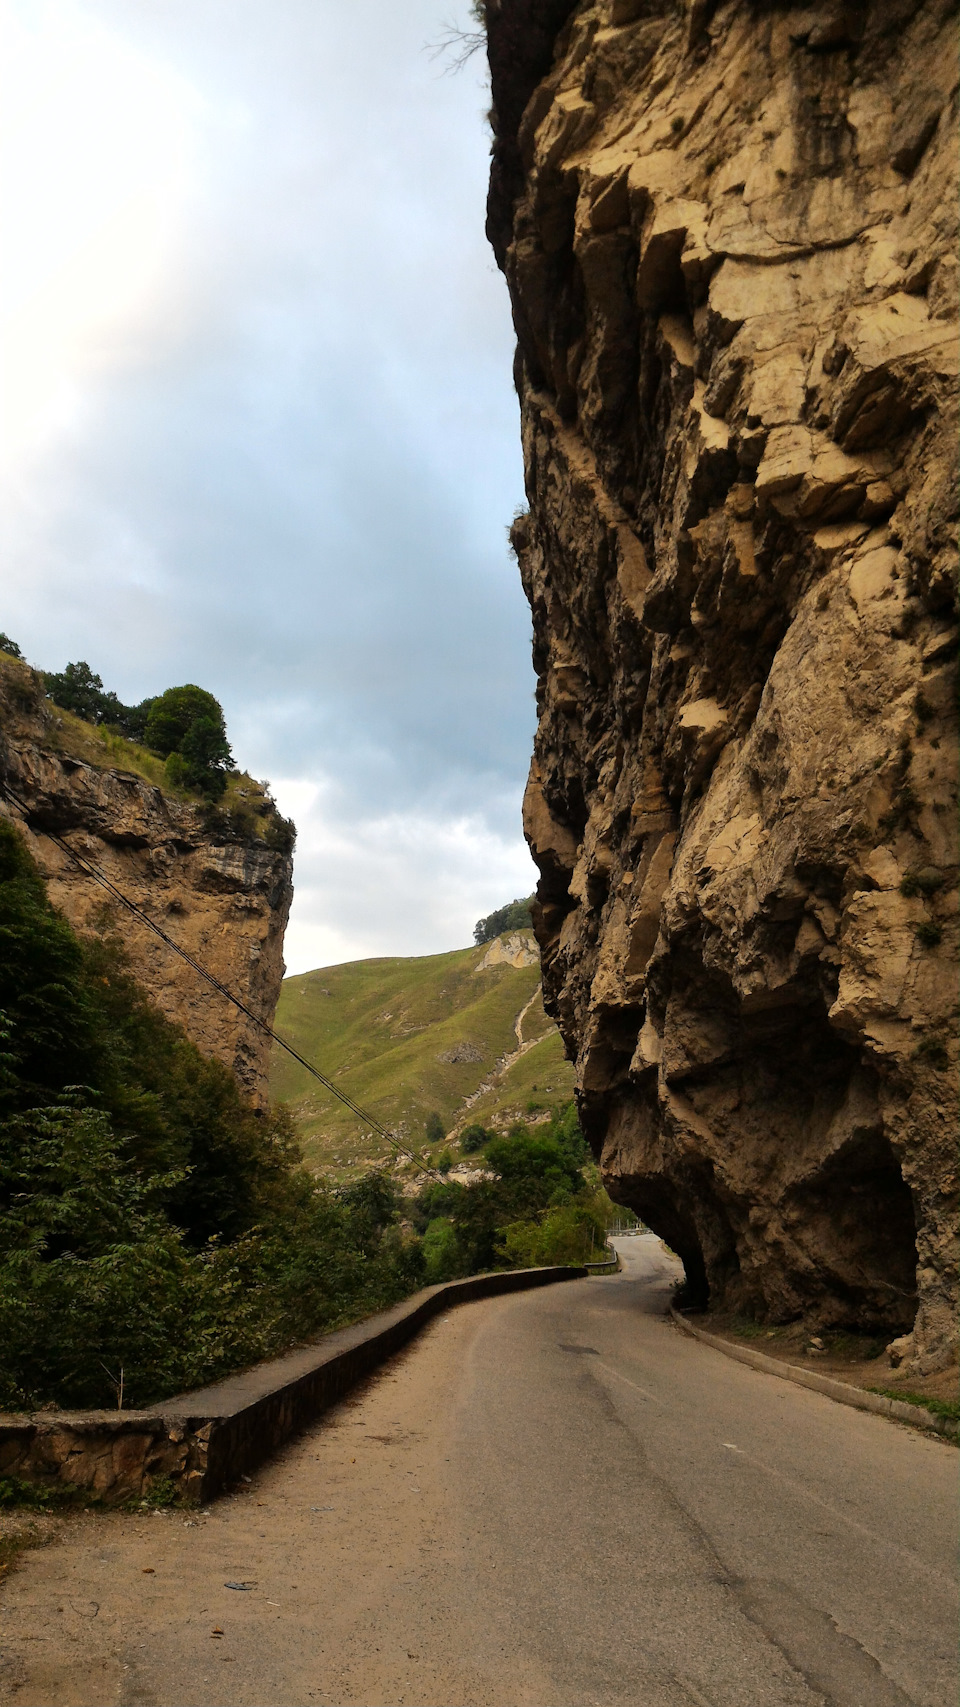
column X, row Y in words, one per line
column 548, row 1500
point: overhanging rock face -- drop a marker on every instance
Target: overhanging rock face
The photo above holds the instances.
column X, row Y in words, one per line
column 731, row 248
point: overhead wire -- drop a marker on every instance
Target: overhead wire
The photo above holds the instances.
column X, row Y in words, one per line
column 92, row 870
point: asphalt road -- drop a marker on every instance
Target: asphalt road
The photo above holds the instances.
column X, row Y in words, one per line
column 550, row 1499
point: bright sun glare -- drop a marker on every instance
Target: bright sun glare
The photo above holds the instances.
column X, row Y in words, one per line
column 95, row 156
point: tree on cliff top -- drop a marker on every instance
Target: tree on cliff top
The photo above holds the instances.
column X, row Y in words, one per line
column 184, row 725
column 515, row 916
column 176, row 713
column 187, row 725
column 80, row 690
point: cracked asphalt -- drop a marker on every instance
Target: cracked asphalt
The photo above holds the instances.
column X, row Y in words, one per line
column 550, row 1499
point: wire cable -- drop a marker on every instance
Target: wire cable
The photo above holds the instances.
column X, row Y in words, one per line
column 93, row 871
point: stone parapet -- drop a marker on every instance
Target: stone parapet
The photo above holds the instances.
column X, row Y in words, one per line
column 197, row 1444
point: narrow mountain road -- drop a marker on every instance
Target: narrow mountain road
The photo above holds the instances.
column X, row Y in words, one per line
column 550, row 1499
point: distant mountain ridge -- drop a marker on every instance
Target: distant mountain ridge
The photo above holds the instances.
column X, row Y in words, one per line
column 463, row 1035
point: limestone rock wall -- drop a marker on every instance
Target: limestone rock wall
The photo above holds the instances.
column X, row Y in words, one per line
column 222, row 895
column 729, row 233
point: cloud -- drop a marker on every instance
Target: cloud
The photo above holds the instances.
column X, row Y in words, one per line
column 444, row 873
column 288, row 476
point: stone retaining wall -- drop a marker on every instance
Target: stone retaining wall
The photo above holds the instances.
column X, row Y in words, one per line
column 202, row 1441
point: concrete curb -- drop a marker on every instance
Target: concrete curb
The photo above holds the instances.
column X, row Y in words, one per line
column 198, row 1443
column 914, row 1415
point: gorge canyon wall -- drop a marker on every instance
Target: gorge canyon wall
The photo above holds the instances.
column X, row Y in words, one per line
column 218, row 882
column 729, row 234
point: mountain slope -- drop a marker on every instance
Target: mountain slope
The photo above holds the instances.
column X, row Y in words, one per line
column 407, row 1037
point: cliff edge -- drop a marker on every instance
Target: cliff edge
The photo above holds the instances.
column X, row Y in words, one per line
column 217, row 879
column 729, row 234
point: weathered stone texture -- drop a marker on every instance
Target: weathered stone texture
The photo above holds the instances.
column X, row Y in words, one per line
column 224, row 898
column 732, row 260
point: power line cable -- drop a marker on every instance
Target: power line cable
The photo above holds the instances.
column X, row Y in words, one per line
column 93, row 871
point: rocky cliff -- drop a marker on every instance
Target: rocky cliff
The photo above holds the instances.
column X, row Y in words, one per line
column 729, row 233
column 219, row 882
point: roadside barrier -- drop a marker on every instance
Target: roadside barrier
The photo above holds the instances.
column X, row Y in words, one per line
column 190, row 1448
column 609, row 1265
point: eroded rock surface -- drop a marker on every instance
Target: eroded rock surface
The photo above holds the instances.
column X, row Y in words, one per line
column 222, row 894
column 729, row 233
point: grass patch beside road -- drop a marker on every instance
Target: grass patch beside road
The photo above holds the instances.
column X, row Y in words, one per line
column 937, row 1407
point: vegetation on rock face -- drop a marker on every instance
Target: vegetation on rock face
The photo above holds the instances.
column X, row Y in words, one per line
column 515, row 916
column 156, row 1233
column 151, row 1224
column 185, row 725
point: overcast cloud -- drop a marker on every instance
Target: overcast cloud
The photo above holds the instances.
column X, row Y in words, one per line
column 263, row 434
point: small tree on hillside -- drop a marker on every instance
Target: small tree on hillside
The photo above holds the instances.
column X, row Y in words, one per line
column 473, row 1138
column 435, row 1131
column 9, row 646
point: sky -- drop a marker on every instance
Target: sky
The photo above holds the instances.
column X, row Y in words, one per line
column 258, row 429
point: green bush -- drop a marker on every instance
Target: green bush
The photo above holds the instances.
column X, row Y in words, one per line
column 434, row 1131
column 150, row 1222
column 567, row 1233
column 929, row 933
column 442, row 1256
column 97, row 1283
column 473, row 1138
column 536, row 1173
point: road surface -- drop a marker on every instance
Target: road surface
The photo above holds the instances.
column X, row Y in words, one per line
column 550, row 1499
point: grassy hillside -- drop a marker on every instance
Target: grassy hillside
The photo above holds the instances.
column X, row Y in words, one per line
column 382, row 1030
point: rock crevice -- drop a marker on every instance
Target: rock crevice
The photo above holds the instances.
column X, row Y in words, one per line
column 730, row 242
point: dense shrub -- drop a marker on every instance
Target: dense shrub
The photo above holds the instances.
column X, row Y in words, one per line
column 567, row 1233
column 538, row 1202
column 434, row 1130
column 150, row 1222
column 473, row 1138
column 442, row 1254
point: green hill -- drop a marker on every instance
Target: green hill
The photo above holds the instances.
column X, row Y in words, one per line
column 461, row 1034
